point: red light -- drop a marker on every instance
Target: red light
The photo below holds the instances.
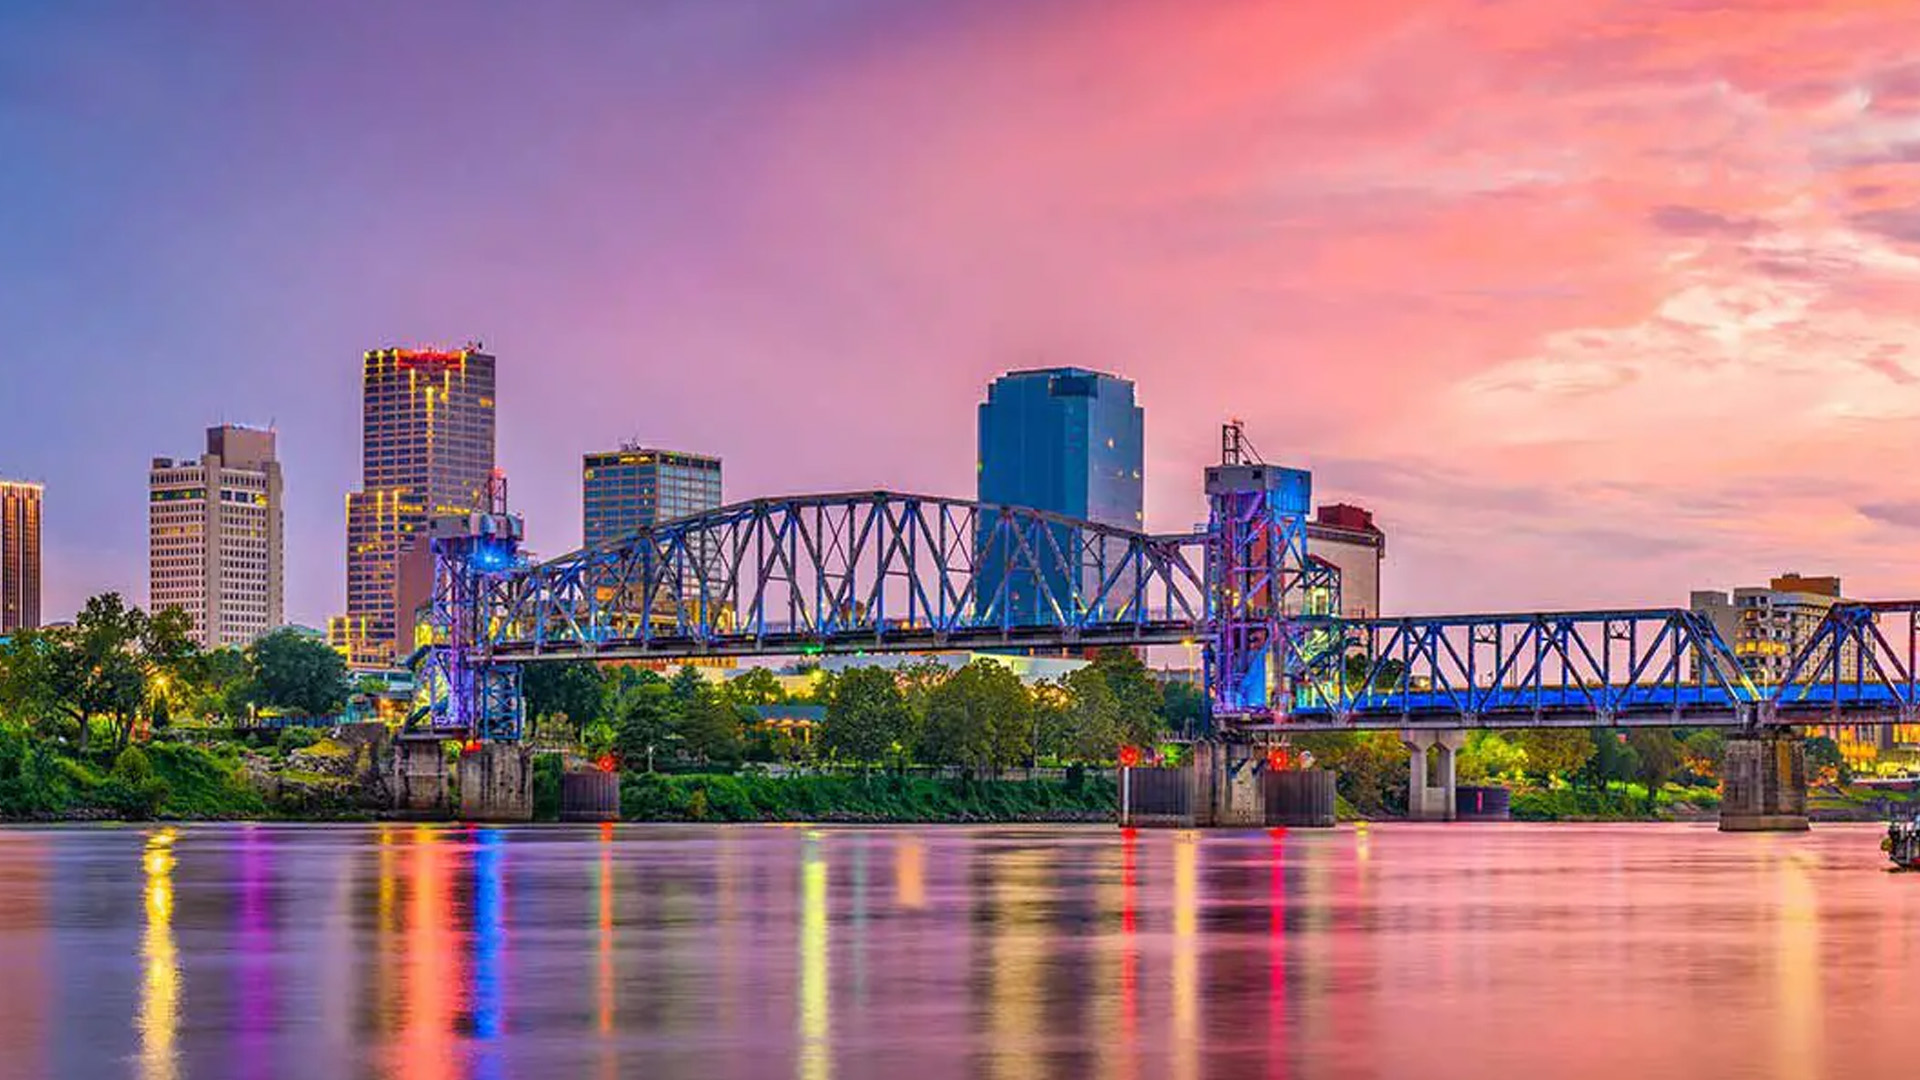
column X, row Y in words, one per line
column 1129, row 756
column 1279, row 759
column 471, row 746
column 411, row 357
column 605, row 763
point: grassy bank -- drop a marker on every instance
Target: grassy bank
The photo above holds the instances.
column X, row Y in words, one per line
column 162, row 780
column 875, row 798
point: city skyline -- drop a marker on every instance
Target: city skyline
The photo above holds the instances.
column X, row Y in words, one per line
column 1606, row 372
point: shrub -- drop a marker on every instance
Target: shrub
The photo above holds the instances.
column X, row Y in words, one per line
column 297, row 738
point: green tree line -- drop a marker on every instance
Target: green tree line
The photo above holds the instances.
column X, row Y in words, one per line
column 116, row 668
column 980, row 716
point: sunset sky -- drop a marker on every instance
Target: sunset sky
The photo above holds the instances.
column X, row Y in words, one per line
column 1592, row 303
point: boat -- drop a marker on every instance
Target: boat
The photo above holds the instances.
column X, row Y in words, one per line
column 1902, row 844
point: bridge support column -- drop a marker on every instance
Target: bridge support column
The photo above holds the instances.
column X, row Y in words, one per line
column 1427, row 800
column 496, row 783
column 1765, row 788
column 420, row 782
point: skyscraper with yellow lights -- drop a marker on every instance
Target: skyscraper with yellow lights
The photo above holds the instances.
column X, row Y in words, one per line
column 19, row 556
column 427, row 447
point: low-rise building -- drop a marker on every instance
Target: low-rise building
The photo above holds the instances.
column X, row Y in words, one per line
column 1767, row 627
column 1345, row 536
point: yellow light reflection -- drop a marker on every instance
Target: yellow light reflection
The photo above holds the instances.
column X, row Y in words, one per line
column 909, row 882
column 159, row 1019
column 1018, row 964
column 1186, row 957
column 1797, row 1034
column 816, row 1054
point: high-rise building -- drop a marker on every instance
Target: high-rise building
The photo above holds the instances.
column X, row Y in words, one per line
column 636, row 487
column 19, row 555
column 1066, row 440
column 427, row 448
column 214, row 528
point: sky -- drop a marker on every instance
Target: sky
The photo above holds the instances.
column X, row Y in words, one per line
column 1592, row 303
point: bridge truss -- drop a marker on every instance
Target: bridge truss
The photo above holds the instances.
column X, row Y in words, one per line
column 1656, row 667
column 871, row 571
column 884, row 571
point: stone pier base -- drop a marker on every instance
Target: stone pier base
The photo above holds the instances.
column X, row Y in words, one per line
column 421, row 785
column 1765, row 783
column 496, row 783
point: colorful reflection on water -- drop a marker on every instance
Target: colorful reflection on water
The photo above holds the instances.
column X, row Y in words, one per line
column 458, row 952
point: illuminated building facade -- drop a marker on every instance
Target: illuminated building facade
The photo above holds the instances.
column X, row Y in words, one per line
column 1066, row 440
column 633, row 488
column 427, row 448
column 19, row 555
column 1766, row 628
column 214, row 530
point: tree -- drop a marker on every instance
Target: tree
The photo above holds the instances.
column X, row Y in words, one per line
column 217, row 683
column 1090, row 718
column 1611, row 761
column 570, row 688
column 1826, row 761
column 867, row 716
column 979, row 717
column 1552, row 752
column 1370, row 768
column 1487, row 755
column 1657, row 758
column 91, row 670
column 756, row 686
column 644, row 716
column 1705, row 751
column 1185, row 709
column 297, row 674
column 1137, row 695
column 709, row 727
column 686, row 684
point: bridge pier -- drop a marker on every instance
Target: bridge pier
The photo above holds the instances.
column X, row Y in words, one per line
column 421, row 786
column 496, row 782
column 1427, row 801
column 1225, row 785
column 1765, row 788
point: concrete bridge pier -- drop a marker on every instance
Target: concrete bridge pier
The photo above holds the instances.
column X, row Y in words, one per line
column 421, row 786
column 1765, row 783
column 1426, row 800
column 496, row 782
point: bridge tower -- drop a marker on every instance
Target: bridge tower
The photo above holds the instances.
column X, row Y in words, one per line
column 468, row 697
column 1259, row 576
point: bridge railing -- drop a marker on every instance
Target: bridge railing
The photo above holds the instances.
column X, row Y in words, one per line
column 871, row 570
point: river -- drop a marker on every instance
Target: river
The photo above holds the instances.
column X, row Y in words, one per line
column 1383, row 951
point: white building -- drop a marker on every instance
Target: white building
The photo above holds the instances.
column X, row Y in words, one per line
column 214, row 530
column 1347, row 537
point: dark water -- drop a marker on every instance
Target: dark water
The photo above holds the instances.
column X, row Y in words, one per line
column 1436, row 951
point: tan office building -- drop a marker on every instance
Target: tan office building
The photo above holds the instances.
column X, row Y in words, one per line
column 214, row 537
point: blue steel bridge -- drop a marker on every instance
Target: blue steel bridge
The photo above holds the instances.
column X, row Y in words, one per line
column 881, row 571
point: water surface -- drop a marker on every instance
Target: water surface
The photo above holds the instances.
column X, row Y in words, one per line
column 1430, row 951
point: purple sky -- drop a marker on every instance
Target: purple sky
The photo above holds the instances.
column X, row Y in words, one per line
column 1592, row 303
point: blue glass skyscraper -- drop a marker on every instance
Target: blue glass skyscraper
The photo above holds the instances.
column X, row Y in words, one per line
column 1065, row 439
